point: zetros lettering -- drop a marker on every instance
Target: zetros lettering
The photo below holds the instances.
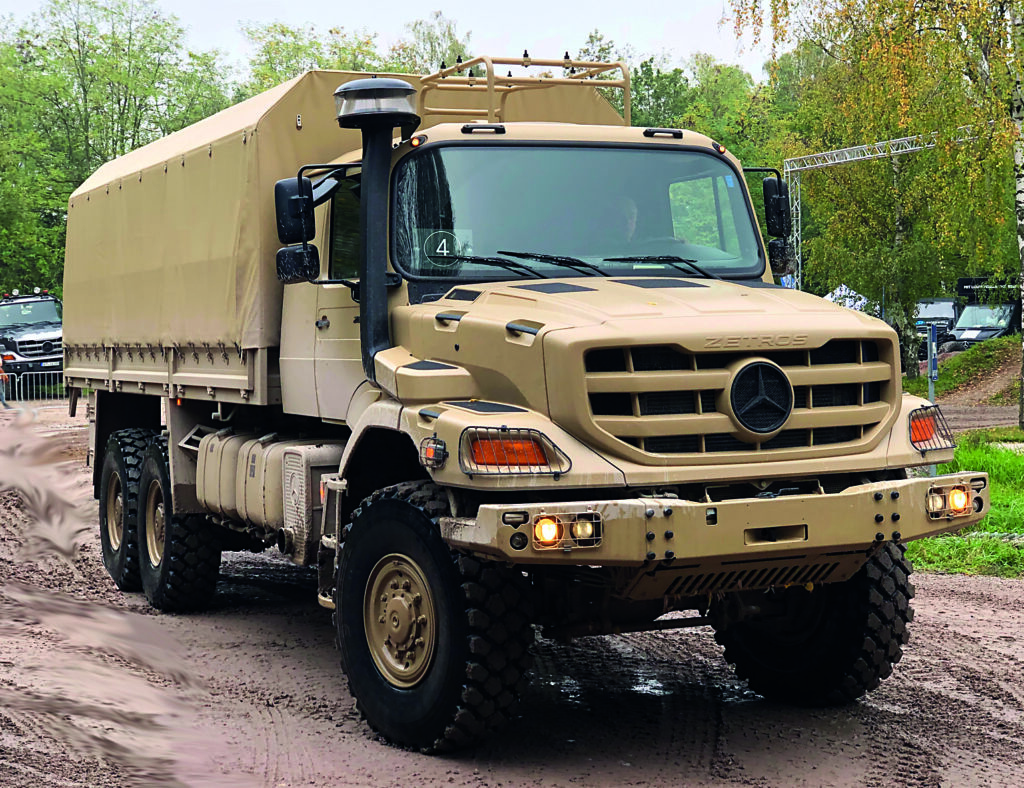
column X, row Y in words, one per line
column 761, row 340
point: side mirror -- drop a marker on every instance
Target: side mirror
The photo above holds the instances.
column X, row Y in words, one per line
column 294, row 205
column 780, row 256
column 776, row 207
column 298, row 264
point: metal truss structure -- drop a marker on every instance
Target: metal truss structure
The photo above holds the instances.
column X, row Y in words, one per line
column 792, row 169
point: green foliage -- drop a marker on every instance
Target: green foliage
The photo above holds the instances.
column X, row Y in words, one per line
column 83, row 82
column 974, row 363
column 282, row 52
column 431, row 41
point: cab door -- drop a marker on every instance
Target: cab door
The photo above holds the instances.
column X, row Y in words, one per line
column 338, row 365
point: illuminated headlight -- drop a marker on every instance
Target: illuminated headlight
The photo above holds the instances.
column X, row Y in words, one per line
column 547, row 531
column 566, row 530
column 952, row 501
column 929, row 431
column 486, row 450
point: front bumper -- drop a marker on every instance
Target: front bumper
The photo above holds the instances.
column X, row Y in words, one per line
column 16, row 364
column 670, row 533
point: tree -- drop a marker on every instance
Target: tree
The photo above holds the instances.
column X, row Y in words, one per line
column 916, row 68
column 661, row 96
column 82, row 82
column 282, row 52
column 432, row 41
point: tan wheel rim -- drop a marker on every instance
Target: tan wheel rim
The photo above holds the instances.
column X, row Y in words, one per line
column 115, row 511
column 400, row 620
column 156, row 526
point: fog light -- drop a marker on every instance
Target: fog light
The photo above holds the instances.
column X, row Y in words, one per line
column 547, row 531
column 936, row 503
column 959, row 500
column 582, row 529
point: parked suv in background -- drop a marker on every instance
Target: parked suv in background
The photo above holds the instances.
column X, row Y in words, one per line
column 30, row 332
column 942, row 312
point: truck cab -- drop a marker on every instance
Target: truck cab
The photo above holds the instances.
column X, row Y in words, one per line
column 30, row 332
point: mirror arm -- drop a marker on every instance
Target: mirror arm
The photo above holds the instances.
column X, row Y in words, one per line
column 775, row 172
column 392, row 279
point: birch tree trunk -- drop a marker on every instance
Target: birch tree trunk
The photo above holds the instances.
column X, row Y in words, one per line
column 1017, row 116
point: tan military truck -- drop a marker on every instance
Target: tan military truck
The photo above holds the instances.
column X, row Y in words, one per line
column 518, row 365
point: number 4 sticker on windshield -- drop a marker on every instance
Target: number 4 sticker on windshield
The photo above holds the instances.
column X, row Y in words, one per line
column 441, row 244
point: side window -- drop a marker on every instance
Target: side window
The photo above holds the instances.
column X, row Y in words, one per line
column 345, row 246
column 701, row 212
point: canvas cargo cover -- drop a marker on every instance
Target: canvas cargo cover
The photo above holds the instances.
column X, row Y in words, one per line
column 175, row 243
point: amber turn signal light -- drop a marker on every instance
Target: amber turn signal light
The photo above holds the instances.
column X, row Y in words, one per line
column 923, row 429
column 508, row 451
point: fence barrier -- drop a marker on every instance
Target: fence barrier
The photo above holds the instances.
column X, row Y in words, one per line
column 36, row 386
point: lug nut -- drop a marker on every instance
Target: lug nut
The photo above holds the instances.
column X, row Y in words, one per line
column 651, row 556
column 878, row 496
column 668, row 511
column 669, row 555
column 894, row 494
column 669, row 534
column 879, row 537
column 896, row 536
column 879, row 518
column 895, row 517
column 650, row 536
column 649, row 512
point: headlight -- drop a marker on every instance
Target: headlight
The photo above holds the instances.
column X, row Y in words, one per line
column 487, row 450
column 929, row 431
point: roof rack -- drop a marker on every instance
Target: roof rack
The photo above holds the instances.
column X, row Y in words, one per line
column 499, row 88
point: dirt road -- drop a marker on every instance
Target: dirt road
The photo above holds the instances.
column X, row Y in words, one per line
column 96, row 690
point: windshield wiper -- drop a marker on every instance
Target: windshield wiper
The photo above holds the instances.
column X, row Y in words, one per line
column 667, row 259
column 501, row 262
column 560, row 260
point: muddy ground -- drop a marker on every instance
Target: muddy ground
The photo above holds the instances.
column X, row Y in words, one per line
column 97, row 690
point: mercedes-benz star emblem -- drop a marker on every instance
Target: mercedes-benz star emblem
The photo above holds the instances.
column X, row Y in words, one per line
column 761, row 397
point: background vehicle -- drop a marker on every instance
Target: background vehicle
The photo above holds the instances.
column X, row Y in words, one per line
column 991, row 309
column 941, row 312
column 541, row 376
column 30, row 332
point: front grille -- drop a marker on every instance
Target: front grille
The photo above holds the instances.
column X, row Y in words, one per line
column 663, row 400
column 40, row 347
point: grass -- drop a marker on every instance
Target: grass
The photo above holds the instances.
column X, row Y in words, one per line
column 979, row 554
column 964, row 368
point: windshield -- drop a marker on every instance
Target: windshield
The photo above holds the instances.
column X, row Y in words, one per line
column 28, row 313
column 984, row 316
column 460, row 212
column 932, row 310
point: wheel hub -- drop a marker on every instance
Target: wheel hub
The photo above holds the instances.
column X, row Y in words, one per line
column 400, row 620
column 115, row 512
column 156, row 527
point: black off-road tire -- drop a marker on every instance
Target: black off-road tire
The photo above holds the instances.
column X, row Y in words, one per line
column 119, row 506
column 179, row 556
column 834, row 644
column 483, row 612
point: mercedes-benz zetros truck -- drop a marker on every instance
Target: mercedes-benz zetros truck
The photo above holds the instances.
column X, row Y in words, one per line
column 493, row 362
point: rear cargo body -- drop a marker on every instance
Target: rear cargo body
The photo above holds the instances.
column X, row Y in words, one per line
column 169, row 274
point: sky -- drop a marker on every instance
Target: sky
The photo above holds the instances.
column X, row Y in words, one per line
column 546, row 29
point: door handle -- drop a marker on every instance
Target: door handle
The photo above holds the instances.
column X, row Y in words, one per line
column 323, row 323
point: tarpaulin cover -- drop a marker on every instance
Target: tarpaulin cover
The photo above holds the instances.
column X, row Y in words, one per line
column 174, row 243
